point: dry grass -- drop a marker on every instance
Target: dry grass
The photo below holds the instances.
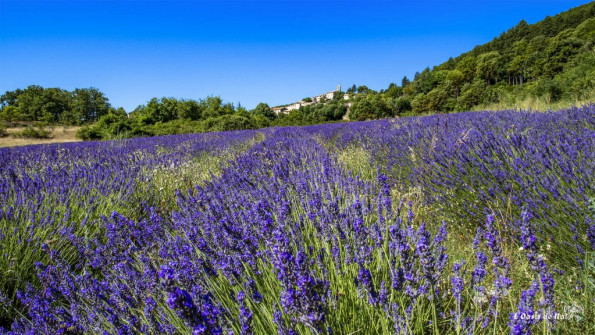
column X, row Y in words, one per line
column 59, row 135
column 536, row 104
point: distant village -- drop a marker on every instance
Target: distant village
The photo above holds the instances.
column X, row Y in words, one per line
column 285, row 109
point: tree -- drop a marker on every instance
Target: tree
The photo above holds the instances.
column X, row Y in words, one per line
column 586, row 30
column 230, row 122
column 405, row 81
column 424, row 82
column 213, row 106
column 10, row 113
column 189, row 110
column 472, row 94
column 467, row 67
column 9, row 98
column 436, row 99
column 487, row 66
column 401, row 105
column 456, row 79
column 88, row 105
column 420, row 103
column 151, row 113
column 115, row 123
column 394, row 91
column 332, row 111
column 263, row 109
column 559, row 52
column 363, row 89
column 51, row 104
column 29, row 103
column 361, row 110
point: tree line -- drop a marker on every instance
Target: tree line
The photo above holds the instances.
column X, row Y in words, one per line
column 90, row 108
column 54, row 105
column 165, row 116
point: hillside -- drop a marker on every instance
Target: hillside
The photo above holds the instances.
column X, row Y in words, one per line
column 553, row 60
column 546, row 65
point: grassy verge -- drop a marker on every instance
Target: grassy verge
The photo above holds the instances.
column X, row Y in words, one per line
column 58, row 135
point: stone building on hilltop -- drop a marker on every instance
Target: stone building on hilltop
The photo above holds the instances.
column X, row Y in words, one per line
column 285, row 109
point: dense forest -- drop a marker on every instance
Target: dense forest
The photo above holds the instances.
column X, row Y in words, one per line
column 550, row 61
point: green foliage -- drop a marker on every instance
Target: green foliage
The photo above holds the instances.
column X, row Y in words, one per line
column 472, row 94
column 38, row 131
column 3, row 132
column 168, row 116
column 402, row 105
column 114, row 124
column 231, row 122
column 329, row 111
column 374, row 106
column 540, row 61
column 190, row 110
column 585, row 30
column 87, row 133
column 394, row 91
column 54, row 105
column 9, row 113
column 363, row 89
column 265, row 111
column 87, row 105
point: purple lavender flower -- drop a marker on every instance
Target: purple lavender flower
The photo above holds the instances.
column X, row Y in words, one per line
column 477, row 239
column 304, row 296
column 458, row 285
column 537, row 263
column 364, row 283
column 282, row 328
column 245, row 315
column 502, row 281
column 479, row 274
column 591, row 235
column 256, row 296
column 202, row 318
column 522, row 320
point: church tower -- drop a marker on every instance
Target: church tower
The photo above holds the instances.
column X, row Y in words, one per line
column 339, row 88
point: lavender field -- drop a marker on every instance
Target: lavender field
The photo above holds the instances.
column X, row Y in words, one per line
column 470, row 223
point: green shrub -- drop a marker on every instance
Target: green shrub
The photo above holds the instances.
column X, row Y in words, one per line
column 87, row 133
column 3, row 132
column 38, row 131
column 402, row 105
column 229, row 122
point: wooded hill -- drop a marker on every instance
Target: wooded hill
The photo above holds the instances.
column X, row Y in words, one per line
column 553, row 59
column 548, row 64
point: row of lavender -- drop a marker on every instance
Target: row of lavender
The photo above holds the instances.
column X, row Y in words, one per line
column 48, row 188
column 473, row 164
column 287, row 240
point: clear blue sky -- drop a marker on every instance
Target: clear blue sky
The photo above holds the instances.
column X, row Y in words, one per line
column 244, row 51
